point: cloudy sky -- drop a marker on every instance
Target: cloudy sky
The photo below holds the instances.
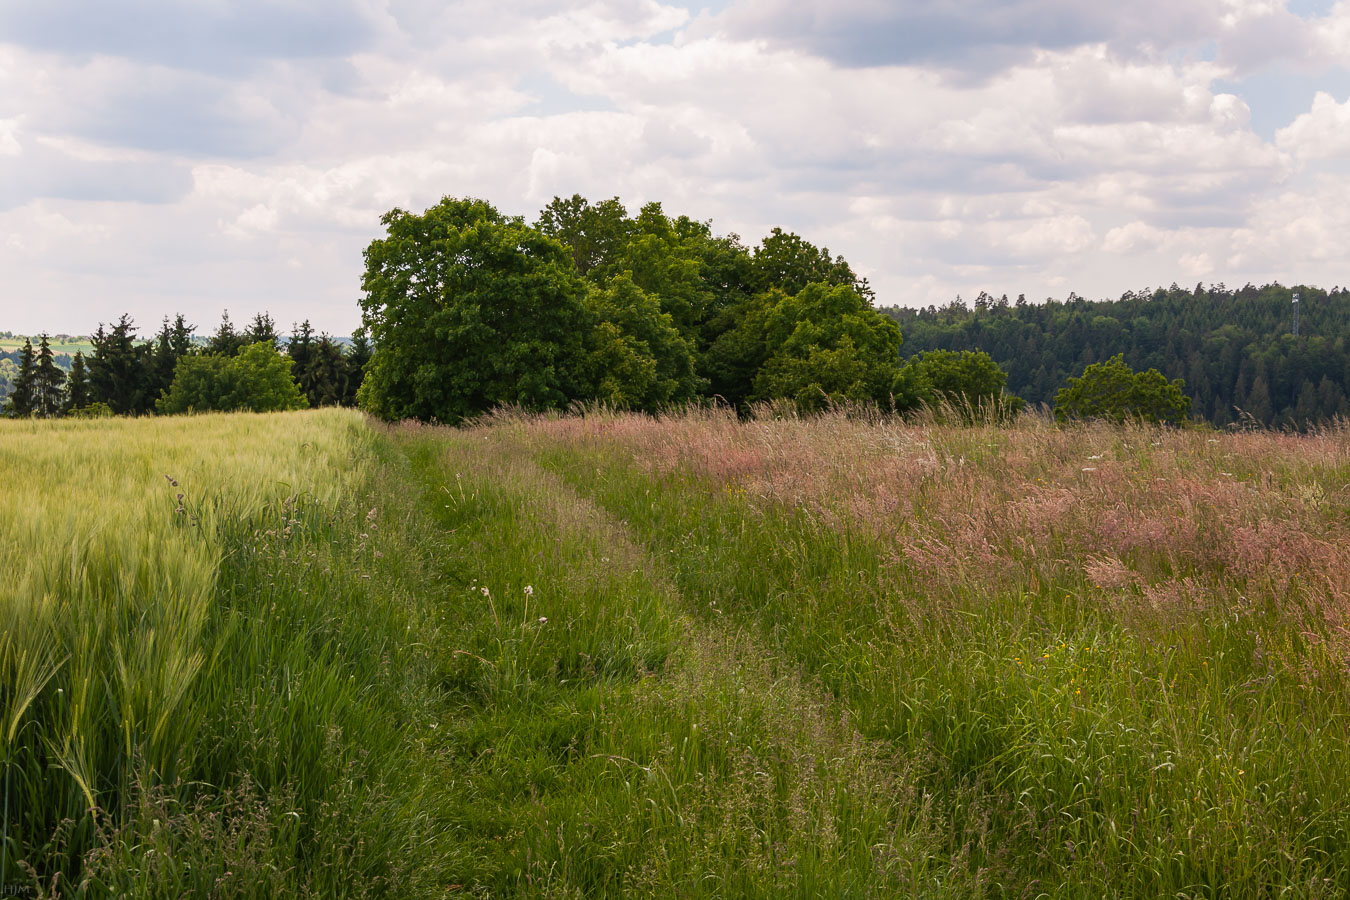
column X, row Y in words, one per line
column 158, row 156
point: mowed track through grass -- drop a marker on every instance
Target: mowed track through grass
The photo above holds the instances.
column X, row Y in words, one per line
column 613, row 655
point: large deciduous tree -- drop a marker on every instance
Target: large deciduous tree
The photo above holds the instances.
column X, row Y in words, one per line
column 1113, row 391
column 967, row 384
column 636, row 356
column 789, row 263
column 257, row 379
column 469, row 309
column 827, row 345
column 595, row 234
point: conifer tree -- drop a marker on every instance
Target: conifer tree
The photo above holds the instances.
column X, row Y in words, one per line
column 20, row 403
column 262, row 328
column 77, row 385
column 172, row 343
column 226, row 341
column 49, row 383
column 355, row 359
column 117, row 373
column 322, row 384
column 300, row 349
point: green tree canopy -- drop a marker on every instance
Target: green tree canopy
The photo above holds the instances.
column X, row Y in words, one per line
column 468, row 310
column 825, row 345
column 596, row 234
column 636, row 357
column 967, row 382
column 788, row 262
column 1113, row 391
column 258, row 379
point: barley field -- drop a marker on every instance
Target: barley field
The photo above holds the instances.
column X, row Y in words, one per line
column 605, row 655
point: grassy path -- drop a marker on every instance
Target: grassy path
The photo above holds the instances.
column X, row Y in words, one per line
column 615, row 744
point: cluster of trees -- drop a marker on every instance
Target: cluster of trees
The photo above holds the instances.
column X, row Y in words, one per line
column 1234, row 349
column 174, row 371
column 470, row 309
column 1113, row 391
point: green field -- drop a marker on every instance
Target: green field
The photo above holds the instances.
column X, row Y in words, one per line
column 60, row 346
column 307, row 655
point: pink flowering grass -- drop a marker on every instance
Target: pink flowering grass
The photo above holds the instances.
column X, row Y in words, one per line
column 1112, row 661
column 1118, row 509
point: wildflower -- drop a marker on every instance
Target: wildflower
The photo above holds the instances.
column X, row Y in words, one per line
column 529, row 591
column 370, row 516
column 543, row 619
column 485, row 591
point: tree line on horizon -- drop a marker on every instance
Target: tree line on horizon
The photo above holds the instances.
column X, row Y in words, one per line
column 1234, row 348
column 176, row 372
column 466, row 309
column 469, row 309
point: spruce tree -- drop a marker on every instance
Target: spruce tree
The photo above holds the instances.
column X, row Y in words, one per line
column 20, row 403
column 49, row 383
column 226, row 341
column 118, row 372
column 77, row 385
column 324, row 375
column 300, row 349
column 172, row 343
column 358, row 354
column 262, row 328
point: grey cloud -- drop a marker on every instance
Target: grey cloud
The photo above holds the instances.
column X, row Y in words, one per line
column 173, row 112
column 211, row 37
column 41, row 172
column 976, row 36
column 665, row 139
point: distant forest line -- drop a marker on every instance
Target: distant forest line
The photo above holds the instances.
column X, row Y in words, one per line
column 467, row 309
column 1235, row 349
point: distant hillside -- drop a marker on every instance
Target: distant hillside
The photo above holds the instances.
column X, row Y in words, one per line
column 1234, row 348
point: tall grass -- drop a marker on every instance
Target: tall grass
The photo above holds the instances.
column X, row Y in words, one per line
column 1111, row 660
column 179, row 646
column 609, row 656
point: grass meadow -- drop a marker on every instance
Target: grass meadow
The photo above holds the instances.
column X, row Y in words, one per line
column 607, row 655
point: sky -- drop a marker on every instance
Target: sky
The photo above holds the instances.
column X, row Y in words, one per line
column 160, row 157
